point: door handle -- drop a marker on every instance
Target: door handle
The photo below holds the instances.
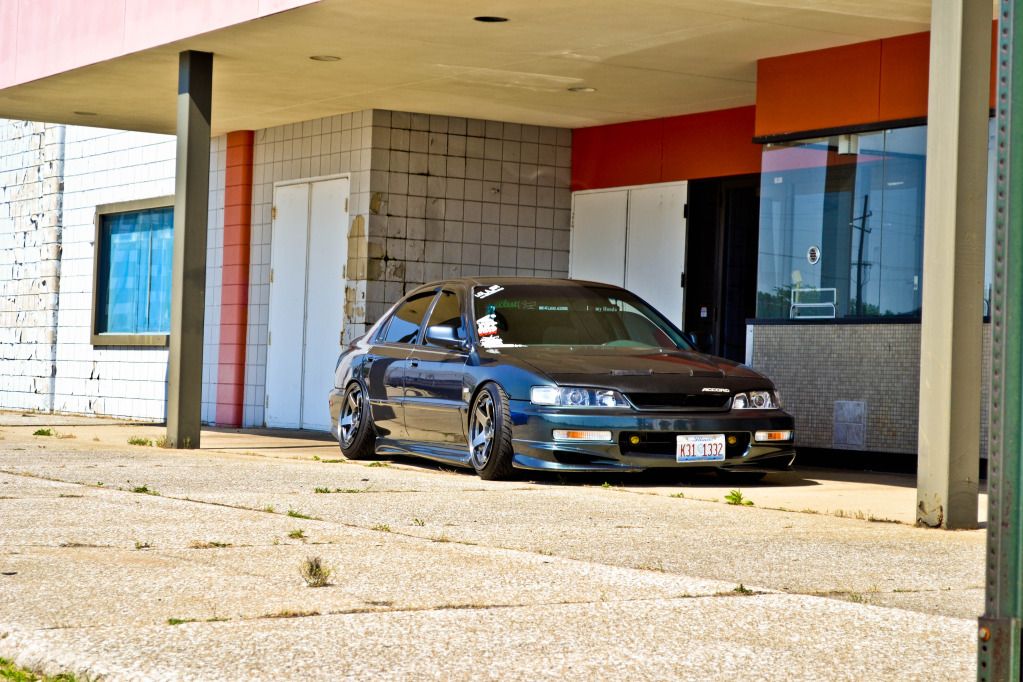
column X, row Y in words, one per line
column 414, row 362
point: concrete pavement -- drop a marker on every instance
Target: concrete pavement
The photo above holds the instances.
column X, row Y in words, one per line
column 440, row 575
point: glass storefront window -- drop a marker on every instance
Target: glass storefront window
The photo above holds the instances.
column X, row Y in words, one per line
column 841, row 226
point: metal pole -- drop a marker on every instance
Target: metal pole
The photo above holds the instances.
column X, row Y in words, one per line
column 999, row 643
column 188, row 277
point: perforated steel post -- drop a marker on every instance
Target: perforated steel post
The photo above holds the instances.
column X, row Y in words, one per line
column 999, row 628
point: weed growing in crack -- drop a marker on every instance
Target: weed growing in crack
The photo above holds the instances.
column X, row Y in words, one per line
column 295, row 514
column 139, row 545
column 736, row 497
column 418, row 522
column 742, row 589
column 382, row 527
column 196, row 544
column 297, row 534
column 315, row 573
column 43, row 432
column 144, row 490
column 140, row 440
column 378, row 465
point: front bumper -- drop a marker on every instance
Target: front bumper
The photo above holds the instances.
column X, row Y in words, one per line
column 535, row 447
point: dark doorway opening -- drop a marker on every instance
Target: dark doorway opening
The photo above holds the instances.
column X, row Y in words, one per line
column 721, row 262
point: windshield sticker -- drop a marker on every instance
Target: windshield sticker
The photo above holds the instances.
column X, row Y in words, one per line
column 487, row 325
column 489, row 291
column 491, row 342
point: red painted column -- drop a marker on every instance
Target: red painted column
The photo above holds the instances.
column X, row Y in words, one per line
column 234, row 299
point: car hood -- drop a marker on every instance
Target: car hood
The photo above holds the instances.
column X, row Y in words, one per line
column 632, row 369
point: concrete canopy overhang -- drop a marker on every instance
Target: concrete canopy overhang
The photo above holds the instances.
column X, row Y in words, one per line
column 645, row 58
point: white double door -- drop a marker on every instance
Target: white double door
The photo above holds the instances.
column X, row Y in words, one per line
column 308, row 253
column 633, row 237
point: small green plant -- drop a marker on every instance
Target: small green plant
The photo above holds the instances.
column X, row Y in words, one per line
column 179, row 621
column 187, row 443
column 316, row 458
column 139, row 440
column 378, row 465
column 736, row 497
column 315, row 572
column 295, row 514
column 418, row 522
column 144, row 490
column 742, row 589
column 162, row 442
column 856, row 598
column 382, row 527
column 139, row 545
column 12, row 673
column 43, row 432
column 678, row 495
column 297, row 534
column 605, row 484
column 269, row 509
column 321, row 490
column 333, row 461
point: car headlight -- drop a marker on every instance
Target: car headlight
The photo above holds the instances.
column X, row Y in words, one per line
column 756, row 400
column 570, row 396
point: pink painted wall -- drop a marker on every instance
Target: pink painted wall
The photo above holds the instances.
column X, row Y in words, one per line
column 39, row 38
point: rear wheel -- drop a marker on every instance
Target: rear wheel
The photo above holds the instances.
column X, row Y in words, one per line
column 355, row 425
column 490, row 438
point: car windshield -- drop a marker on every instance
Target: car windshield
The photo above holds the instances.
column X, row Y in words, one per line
column 569, row 315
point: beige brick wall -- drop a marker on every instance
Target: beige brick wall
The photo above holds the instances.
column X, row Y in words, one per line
column 814, row 365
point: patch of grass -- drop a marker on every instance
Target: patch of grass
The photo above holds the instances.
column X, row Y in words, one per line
column 316, row 458
column 269, row 509
column 162, row 442
column 12, row 673
column 333, row 461
column 295, row 514
column 314, row 572
column 139, row 545
column 180, row 621
column 742, row 589
column 678, row 495
column 856, row 598
column 325, row 491
column 140, row 440
column 605, row 484
column 880, row 519
column 382, row 527
column 297, row 534
column 196, row 544
column 144, row 490
column 418, row 522
column 379, row 465
column 43, row 432
column 736, row 497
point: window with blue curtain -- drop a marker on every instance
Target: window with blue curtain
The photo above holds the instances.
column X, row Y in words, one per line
column 134, row 276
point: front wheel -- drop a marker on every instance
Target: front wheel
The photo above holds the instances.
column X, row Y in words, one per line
column 490, row 437
column 355, row 425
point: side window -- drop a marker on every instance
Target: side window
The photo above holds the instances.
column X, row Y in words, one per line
column 407, row 319
column 448, row 313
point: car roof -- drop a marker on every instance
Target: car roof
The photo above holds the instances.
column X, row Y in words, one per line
column 469, row 282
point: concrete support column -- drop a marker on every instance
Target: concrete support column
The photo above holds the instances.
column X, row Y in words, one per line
column 954, row 218
column 188, row 279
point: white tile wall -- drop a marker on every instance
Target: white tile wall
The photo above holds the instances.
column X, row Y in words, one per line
column 459, row 197
column 31, row 158
column 109, row 166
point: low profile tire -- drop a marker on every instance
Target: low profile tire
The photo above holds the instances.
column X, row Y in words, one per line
column 740, row 477
column 355, row 425
column 490, row 436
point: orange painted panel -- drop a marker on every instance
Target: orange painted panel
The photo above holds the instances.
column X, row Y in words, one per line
column 904, row 75
column 821, row 89
column 709, row 145
column 615, row 155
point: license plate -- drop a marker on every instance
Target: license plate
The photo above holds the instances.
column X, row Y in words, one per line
column 702, row 448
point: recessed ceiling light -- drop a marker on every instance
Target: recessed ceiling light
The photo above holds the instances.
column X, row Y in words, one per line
column 490, row 20
column 582, row 88
column 325, row 58
column 84, row 113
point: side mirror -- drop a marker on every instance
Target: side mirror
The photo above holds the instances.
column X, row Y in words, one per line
column 444, row 336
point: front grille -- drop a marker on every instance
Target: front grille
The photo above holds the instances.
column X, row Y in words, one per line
column 664, row 443
column 680, row 401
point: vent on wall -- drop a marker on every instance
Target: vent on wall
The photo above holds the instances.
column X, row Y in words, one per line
column 850, row 425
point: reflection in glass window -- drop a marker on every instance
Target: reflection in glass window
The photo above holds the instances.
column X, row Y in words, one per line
column 404, row 325
column 134, row 277
column 841, row 226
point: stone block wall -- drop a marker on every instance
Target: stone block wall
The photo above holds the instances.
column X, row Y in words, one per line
column 815, row 365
